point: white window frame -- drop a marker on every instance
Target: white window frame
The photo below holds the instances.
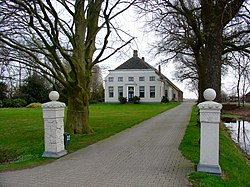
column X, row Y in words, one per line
column 141, row 78
column 142, row 91
column 111, row 79
column 120, row 79
column 152, row 91
column 131, row 79
column 111, row 91
column 152, row 78
column 120, row 90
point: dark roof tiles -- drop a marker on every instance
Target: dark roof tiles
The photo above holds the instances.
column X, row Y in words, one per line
column 134, row 63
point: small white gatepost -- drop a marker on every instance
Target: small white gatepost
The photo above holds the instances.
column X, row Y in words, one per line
column 53, row 115
column 209, row 140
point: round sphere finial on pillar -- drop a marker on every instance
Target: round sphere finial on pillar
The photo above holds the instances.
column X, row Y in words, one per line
column 209, row 94
column 53, row 95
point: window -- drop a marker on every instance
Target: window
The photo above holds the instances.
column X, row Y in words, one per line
column 111, row 79
column 152, row 78
column 111, row 91
column 166, row 93
column 174, row 96
column 142, row 91
column 120, row 79
column 130, row 79
column 120, row 91
column 152, row 91
column 141, row 78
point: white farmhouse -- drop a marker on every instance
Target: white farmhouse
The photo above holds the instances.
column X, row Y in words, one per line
column 135, row 77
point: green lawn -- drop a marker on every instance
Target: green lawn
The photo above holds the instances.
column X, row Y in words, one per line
column 21, row 130
column 234, row 164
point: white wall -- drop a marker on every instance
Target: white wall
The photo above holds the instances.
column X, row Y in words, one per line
column 136, row 83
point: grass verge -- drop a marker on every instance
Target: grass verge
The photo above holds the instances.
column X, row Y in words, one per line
column 233, row 162
column 21, row 130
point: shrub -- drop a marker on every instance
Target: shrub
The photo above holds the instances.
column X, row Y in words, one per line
column 7, row 103
column 34, row 89
column 173, row 100
column 123, row 100
column 18, row 103
column 34, row 105
column 164, row 99
column 1, row 104
column 136, row 100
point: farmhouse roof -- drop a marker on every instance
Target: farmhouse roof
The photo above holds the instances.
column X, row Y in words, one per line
column 134, row 63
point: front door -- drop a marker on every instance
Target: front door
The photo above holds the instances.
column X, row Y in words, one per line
column 131, row 91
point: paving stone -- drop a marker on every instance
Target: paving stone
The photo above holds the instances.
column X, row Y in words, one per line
column 143, row 156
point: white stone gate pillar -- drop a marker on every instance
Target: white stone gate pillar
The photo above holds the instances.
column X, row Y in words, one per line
column 209, row 140
column 53, row 115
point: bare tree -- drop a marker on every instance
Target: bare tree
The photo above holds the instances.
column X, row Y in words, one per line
column 10, row 74
column 200, row 31
column 97, row 89
column 55, row 35
column 241, row 65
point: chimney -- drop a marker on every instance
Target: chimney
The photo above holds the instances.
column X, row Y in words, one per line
column 159, row 69
column 143, row 59
column 135, row 53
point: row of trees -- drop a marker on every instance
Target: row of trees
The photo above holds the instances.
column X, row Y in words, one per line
column 35, row 88
column 64, row 39
column 241, row 68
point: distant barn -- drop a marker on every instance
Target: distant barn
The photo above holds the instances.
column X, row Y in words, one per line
column 247, row 97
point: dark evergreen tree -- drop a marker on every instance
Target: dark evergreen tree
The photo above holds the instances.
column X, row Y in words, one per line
column 34, row 89
column 3, row 90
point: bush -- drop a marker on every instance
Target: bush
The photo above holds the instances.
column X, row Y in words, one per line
column 136, row 100
column 7, row 103
column 164, row 99
column 1, row 104
column 34, row 89
column 123, row 100
column 18, row 103
column 34, row 105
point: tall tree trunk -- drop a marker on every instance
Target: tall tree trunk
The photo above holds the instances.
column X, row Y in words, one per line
column 212, row 61
column 78, row 117
column 238, row 88
column 213, row 49
column 86, row 29
column 78, row 112
column 201, row 83
column 215, row 15
column 243, row 89
column 201, row 71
